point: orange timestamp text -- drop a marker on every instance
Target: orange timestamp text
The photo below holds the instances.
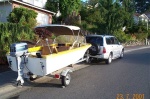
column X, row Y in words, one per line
column 130, row 96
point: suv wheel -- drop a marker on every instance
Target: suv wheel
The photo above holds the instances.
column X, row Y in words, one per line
column 109, row 60
column 88, row 60
column 122, row 54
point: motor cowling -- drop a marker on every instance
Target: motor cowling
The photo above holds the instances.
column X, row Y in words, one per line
column 18, row 49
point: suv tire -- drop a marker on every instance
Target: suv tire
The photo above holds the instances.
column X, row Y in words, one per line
column 121, row 54
column 109, row 60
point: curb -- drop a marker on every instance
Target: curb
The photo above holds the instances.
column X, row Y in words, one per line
column 10, row 90
column 130, row 50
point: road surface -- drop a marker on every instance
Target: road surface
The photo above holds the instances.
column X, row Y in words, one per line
column 127, row 78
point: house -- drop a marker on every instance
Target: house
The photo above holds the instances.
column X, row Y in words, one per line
column 38, row 3
column 44, row 16
column 136, row 17
column 141, row 17
column 147, row 14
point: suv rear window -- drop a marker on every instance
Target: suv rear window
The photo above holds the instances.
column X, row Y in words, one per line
column 95, row 40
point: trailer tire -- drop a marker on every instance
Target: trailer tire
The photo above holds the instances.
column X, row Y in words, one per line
column 65, row 80
column 33, row 77
column 18, row 83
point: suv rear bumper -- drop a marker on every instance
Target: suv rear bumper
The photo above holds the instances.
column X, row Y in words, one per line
column 101, row 56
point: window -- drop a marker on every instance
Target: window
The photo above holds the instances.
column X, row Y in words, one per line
column 111, row 40
column 108, row 41
column 95, row 40
column 116, row 41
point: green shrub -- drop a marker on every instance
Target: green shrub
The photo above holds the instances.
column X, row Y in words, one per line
column 24, row 16
column 12, row 33
column 141, row 36
column 122, row 37
column 148, row 34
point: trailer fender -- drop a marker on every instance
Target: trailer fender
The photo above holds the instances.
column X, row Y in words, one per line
column 65, row 72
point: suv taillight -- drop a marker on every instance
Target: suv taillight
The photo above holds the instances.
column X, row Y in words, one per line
column 104, row 50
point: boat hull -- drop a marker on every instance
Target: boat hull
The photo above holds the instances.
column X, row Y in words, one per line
column 50, row 63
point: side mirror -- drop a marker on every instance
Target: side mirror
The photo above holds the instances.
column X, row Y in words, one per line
column 119, row 43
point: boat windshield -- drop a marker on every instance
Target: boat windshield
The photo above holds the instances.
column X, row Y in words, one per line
column 68, row 39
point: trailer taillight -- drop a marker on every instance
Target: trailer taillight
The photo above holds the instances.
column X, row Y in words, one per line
column 57, row 76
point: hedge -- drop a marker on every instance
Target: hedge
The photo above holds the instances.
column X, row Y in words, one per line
column 12, row 33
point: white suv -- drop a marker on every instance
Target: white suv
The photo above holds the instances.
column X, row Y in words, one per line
column 104, row 47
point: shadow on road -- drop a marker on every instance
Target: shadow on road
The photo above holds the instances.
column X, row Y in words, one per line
column 53, row 83
column 14, row 97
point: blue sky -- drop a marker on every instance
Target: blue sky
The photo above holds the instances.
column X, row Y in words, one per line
column 83, row 0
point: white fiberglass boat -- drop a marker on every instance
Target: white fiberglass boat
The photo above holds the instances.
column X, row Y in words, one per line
column 47, row 59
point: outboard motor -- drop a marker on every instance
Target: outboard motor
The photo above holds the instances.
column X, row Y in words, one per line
column 19, row 50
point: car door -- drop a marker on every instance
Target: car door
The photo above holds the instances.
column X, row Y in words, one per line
column 118, row 47
column 115, row 47
column 110, row 45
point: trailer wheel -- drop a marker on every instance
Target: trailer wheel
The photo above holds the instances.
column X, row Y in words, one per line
column 18, row 83
column 32, row 77
column 65, row 80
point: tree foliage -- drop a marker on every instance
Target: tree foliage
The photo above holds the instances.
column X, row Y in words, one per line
column 113, row 16
column 142, row 6
column 107, row 16
column 12, row 33
column 67, row 7
column 129, row 9
column 51, row 5
column 24, row 16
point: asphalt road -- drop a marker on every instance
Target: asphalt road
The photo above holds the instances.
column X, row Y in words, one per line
column 127, row 78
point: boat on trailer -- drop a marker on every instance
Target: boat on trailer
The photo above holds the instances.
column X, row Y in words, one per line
column 50, row 57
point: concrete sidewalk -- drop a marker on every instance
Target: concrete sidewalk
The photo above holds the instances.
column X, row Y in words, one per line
column 7, row 79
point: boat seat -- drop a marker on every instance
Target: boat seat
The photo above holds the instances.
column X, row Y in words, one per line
column 62, row 48
column 46, row 51
column 64, row 44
